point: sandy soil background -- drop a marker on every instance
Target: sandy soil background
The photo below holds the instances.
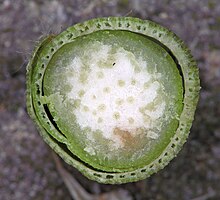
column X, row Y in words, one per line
column 27, row 170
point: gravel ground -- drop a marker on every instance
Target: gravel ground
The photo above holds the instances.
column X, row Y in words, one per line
column 27, row 170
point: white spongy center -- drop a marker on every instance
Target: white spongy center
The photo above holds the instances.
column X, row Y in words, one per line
column 115, row 92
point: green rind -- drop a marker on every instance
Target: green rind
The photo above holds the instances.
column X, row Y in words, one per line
column 30, row 86
column 191, row 84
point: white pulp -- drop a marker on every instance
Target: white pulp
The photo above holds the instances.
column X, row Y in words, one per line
column 115, row 92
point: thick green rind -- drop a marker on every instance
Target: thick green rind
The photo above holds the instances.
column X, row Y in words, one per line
column 191, row 84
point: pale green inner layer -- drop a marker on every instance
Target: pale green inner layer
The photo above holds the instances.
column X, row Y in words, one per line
column 116, row 96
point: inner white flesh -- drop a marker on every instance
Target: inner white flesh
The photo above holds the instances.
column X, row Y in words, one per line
column 113, row 90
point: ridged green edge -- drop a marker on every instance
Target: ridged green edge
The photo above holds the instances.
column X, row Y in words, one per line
column 43, row 53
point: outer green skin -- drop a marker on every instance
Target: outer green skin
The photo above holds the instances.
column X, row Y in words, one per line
column 164, row 36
